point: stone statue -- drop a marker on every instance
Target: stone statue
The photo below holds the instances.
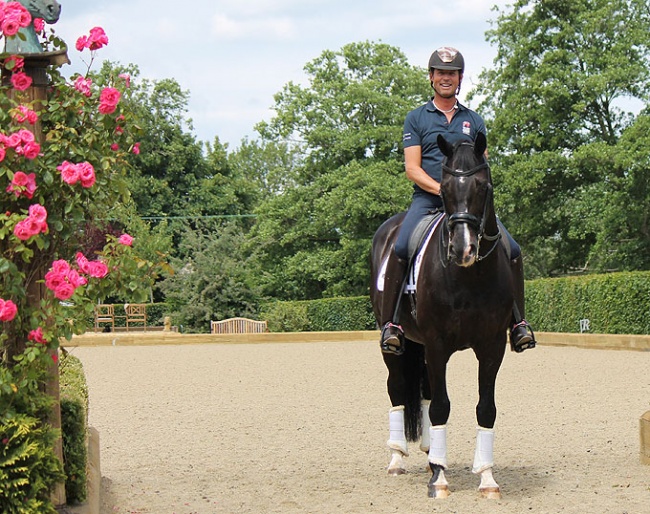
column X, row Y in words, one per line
column 49, row 10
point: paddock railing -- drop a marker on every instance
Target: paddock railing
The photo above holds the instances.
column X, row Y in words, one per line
column 238, row 326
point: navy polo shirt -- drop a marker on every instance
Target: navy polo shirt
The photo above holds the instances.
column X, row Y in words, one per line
column 422, row 126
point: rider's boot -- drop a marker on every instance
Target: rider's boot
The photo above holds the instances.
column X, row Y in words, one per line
column 522, row 336
column 392, row 334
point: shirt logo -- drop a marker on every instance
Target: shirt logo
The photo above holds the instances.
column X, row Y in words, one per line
column 406, row 137
column 467, row 128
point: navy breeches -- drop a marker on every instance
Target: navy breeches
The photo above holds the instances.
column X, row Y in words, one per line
column 421, row 205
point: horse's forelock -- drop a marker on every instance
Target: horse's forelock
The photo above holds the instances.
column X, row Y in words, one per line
column 463, row 156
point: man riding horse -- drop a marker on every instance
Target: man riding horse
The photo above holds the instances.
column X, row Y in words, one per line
column 443, row 114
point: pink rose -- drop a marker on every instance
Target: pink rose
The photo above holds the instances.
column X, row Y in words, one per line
column 54, row 279
column 81, row 43
column 60, row 266
column 83, row 85
column 27, row 228
column 136, row 149
column 125, row 239
column 86, row 174
column 75, row 279
column 126, row 77
column 31, row 150
column 21, row 81
column 37, row 336
column 8, row 310
column 64, row 291
column 3, row 153
column 107, row 108
column 69, row 172
column 115, row 147
column 23, row 114
column 97, row 269
column 82, row 262
column 38, row 212
column 10, row 26
column 39, row 25
column 108, row 100
column 26, row 136
column 22, row 184
column 13, row 140
column 14, row 63
column 97, row 38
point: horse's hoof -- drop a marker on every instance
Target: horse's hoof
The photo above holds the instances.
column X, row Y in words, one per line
column 396, row 472
column 439, row 492
column 491, row 493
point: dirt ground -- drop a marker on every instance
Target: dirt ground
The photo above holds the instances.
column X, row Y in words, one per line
column 302, row 428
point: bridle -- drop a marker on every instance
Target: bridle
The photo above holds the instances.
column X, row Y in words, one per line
column 465, row 217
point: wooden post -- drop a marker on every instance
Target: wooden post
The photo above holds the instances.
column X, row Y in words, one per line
column 35, row 67
column 644, row 434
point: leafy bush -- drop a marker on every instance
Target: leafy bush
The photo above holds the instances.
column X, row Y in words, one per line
column 74, row 423
column 28, row 467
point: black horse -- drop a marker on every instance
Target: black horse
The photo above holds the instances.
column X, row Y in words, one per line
column 464, row 299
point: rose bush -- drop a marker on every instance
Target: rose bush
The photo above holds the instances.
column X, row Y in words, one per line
column 63, row 164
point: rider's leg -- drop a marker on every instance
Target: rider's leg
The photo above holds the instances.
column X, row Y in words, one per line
column 521, row 333
column 392, row 334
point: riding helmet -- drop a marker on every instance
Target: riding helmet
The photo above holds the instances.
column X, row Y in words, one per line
column 447, row 58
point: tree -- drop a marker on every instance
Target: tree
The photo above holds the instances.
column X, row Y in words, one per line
column 557, row 93
column 314, row 235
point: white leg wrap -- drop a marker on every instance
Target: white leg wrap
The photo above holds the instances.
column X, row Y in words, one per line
column 438, row 448
column 425, row 442
column 397, row 438
column 484, row 454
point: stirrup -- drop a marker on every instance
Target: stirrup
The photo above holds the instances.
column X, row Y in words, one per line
column 392, row 339
column 525, row 341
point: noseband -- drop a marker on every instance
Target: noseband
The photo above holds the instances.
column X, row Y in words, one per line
column 465, row 217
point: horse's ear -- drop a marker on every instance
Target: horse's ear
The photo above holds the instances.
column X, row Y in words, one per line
column 444, row 146
column 480, row 144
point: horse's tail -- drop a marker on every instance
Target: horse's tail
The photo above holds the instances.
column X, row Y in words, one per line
column 416, row 388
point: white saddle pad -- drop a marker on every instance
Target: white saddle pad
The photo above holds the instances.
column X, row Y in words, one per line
column 415, row 272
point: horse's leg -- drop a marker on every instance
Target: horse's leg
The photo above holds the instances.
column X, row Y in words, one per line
column 404, row 390
column 438, row 414
column 486, row 412
column 397, row 441
column 425, row 441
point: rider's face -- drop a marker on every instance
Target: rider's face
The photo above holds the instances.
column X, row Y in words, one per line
column 445, row 82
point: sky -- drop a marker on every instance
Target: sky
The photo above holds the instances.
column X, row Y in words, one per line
column 234, row 56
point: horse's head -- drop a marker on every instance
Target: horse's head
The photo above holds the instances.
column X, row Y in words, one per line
column 466, row 191
column 49, row 10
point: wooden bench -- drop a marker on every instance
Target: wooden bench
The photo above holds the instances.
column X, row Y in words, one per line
column 238, row 326
column 104, row 313
column 136, row 313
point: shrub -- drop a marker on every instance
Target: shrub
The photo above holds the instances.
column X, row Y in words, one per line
column 74, row 424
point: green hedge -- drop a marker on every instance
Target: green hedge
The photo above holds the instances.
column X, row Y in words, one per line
column 328, row 314
column 614, row 303
column 74, row 424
